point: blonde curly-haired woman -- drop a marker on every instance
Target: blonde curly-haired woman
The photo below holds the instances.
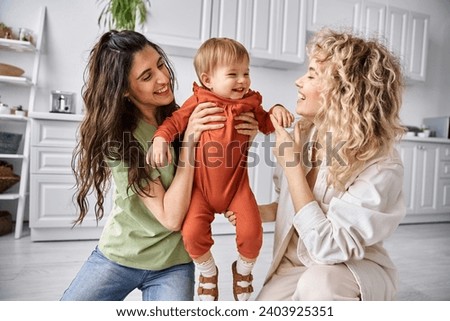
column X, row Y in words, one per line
column 339, row 179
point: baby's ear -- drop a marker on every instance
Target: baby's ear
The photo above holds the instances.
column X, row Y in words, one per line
column 206, row 80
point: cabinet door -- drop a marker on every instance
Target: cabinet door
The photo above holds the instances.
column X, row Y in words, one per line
column 229, row 19
column 52, row 205
column 54, row 133
column 397, row 31
column 263, row 29
column 373, row 16
column 52, row 210
column 443, row 188
column 426, row 182
column 407, row 152
column 426, row 166
column 443, row 195
column 418, row 46
column 50, row 160
column 277, row 32
column 334, row 14
column 183, row 30
column 291, row 38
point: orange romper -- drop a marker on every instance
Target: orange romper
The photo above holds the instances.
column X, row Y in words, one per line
column 220, row 179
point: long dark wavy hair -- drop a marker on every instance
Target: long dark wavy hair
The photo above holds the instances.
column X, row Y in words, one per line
column 110, row 120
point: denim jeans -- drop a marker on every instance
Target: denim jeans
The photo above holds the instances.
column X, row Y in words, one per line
column 101, row 279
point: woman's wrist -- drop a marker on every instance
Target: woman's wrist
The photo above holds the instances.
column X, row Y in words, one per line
column 299, row 189
column 188, row 144
column 187, row 154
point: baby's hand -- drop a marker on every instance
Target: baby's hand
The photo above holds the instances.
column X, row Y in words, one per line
column 284, row 117
column 158, row 154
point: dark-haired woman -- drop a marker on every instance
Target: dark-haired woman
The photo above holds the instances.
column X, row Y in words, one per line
column 127, row 94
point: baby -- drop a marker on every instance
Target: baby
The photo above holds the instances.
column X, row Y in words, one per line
column 221, row 180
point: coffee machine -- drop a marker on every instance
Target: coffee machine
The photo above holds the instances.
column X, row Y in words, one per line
column 62, row 102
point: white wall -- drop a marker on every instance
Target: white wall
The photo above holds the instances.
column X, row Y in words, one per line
column 72, row 29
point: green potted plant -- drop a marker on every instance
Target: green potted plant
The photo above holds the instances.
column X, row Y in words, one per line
column 123, row 14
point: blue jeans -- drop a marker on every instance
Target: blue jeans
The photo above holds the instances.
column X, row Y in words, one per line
column 101, row 279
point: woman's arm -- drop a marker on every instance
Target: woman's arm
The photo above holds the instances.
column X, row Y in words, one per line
column 367, row 213
column 170, row 206
column 288, row 153
column 268, row 212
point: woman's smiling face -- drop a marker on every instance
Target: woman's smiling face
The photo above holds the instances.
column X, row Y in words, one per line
column 149, row 80
column 309, row 87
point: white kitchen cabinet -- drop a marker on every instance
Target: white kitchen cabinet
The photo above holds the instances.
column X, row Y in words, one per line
column 180, row 27
column 367, row 18
column 407, row 36
column 404, row 31
column 373, row 19
column 407, row 151
column 19, row 124
column 229, row 19
column 426, row 164
column 426, row 182
column 443, row 197
column 52, row 184
column 397, row 31
column 274, row 31
column 336, row 14
column 417, row 54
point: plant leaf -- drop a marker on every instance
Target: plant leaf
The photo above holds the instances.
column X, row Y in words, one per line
column 123, row 14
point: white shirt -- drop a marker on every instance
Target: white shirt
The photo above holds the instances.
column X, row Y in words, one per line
column 345, row 227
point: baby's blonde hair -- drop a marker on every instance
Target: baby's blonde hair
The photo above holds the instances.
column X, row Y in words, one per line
column 361, row 99
column 218, row 51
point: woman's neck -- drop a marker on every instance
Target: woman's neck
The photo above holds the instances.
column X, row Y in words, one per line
column 150, row 120
column 149, row 115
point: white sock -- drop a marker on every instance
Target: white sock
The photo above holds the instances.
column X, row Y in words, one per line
column 207, row 269
column 244, row 268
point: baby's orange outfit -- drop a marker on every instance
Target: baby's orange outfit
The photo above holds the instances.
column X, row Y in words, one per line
column 221, row 179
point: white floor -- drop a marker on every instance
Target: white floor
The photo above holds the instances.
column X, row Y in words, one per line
column 40, row 271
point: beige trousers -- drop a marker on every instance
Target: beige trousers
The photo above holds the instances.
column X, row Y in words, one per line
column 314, row 283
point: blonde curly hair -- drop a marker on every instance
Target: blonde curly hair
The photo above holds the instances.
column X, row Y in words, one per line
column 362, row 88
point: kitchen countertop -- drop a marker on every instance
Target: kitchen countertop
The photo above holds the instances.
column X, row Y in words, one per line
column 426, row 139
column 56, row 116
column 79, row 117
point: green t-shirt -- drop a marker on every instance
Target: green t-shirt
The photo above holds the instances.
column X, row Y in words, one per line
column 132, row 236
